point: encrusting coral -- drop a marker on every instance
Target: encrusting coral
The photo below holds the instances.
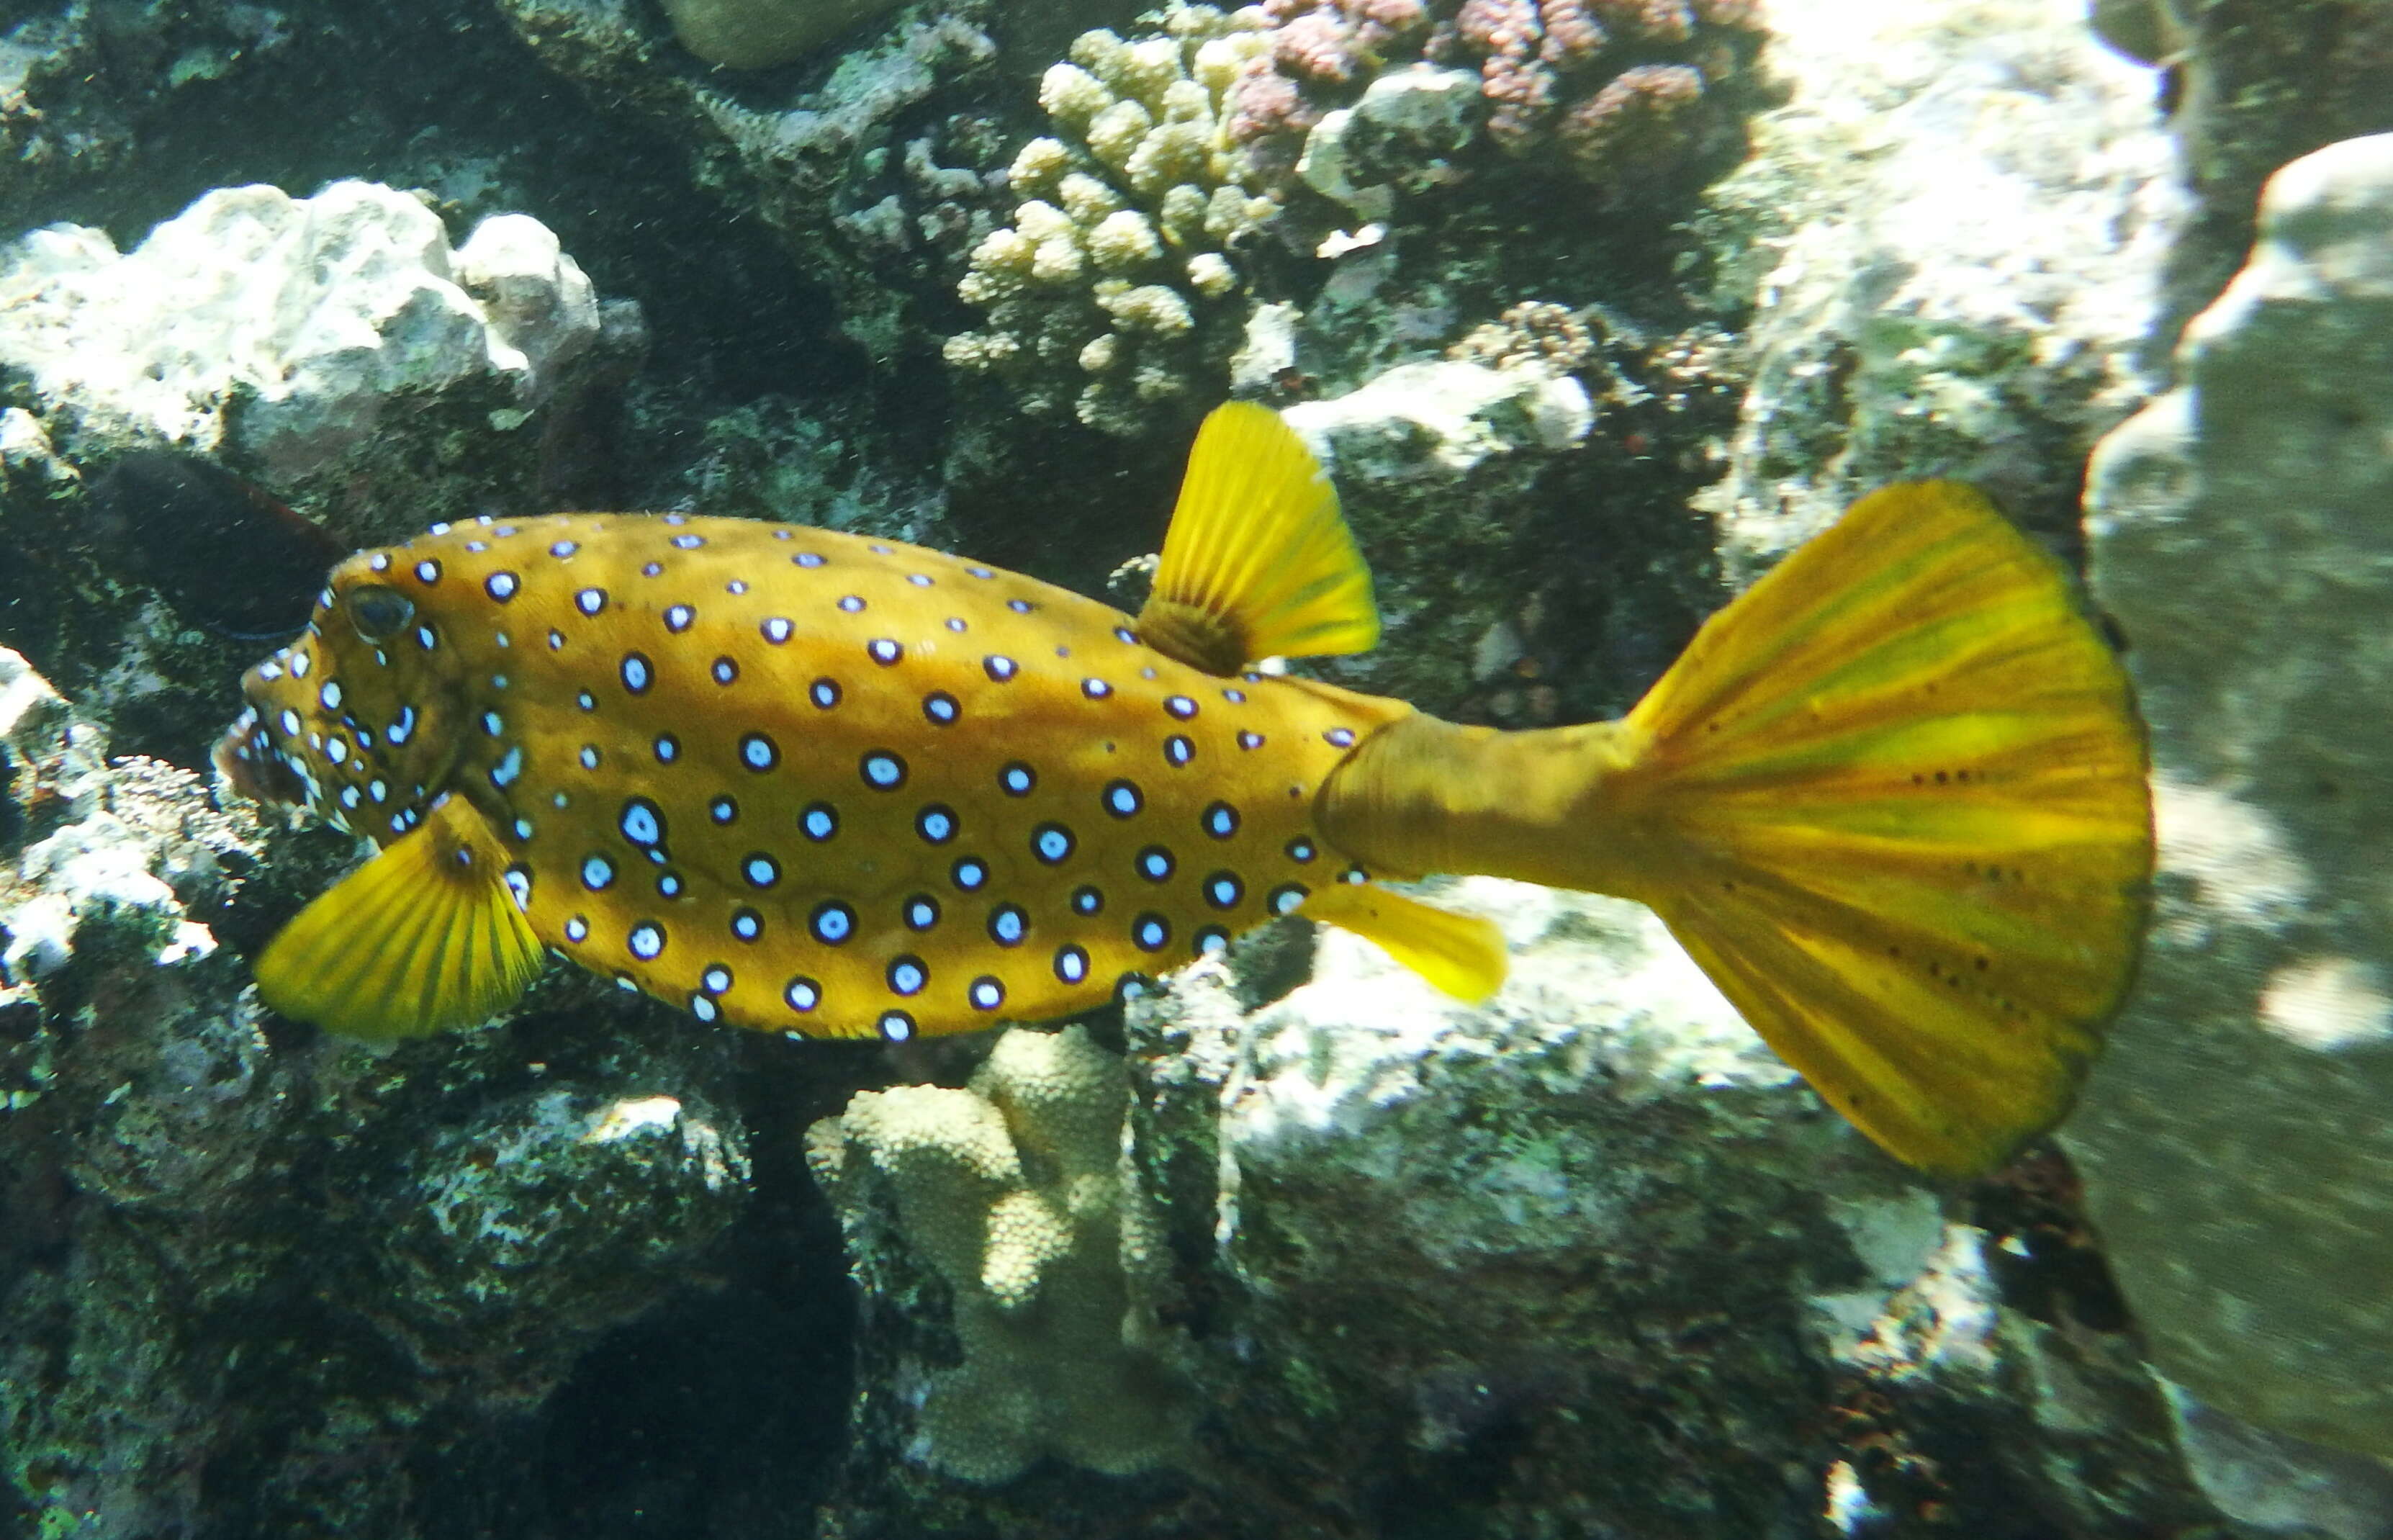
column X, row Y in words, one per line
column 1012, row 1191
column 1103, row 294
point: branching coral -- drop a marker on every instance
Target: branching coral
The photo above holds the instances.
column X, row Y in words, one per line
column 1622, row 88
column 1012, row 1191
column 1101, row 294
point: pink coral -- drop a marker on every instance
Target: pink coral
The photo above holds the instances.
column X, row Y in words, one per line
column 1551, row 72
column 1636, row 125
column 1654, row 20
column 1518, row 85
column 1380, row 22
column 1266, row 105
column 1573, row 34
column 1318, row 45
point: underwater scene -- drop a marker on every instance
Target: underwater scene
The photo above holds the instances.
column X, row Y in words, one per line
column 1365, row 769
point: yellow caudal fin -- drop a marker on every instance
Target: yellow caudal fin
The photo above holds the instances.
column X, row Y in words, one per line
column 1897, row 804
column 424, row 936
column 1258, row 563
column 1460, row 954
column 1892, row 800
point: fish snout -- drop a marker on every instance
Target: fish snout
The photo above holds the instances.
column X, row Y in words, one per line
column 251, row 764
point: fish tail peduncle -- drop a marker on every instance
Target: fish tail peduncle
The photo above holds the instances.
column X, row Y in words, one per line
column 1424, row 795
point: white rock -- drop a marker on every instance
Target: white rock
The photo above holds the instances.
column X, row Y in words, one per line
column 542, row 311
column 1442, row 417
column 1404, row 119
column 1965, row 209
column 1268, row 351
column 1334, row 1059
column 320, row 310
column 2235, row 1138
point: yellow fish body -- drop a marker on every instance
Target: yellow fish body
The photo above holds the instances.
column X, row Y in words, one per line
column 806, row 782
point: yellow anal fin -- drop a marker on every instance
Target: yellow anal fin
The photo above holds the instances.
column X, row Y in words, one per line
column 1894, row 800
column 424, row 937
column 1258, row 563
column 1461, row 954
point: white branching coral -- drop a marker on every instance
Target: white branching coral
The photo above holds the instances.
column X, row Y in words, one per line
column 1101, row 294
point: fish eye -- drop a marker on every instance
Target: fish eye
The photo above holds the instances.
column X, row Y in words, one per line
column 378, row 611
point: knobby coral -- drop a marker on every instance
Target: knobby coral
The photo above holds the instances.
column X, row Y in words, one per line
column 1013, row 1192
column 1106, row 292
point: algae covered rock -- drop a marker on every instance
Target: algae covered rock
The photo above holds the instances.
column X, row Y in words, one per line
column 1426, row 1226
column 548, row 1217
column 1589, row 1260
column 2234, row 1137
column 870, row 174
column 227, row 1243
column 1957, row 232
column 336, row 349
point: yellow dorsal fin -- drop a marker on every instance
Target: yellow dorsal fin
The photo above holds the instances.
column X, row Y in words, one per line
column 424, row 937
column 1461, row 954
column 1257, row 563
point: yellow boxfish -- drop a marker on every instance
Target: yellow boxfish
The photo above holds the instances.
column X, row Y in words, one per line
column 1892, row 799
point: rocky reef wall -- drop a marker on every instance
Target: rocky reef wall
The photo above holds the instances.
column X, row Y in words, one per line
column 1594, row 309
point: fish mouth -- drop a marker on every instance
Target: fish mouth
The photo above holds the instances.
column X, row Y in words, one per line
column 251, row 765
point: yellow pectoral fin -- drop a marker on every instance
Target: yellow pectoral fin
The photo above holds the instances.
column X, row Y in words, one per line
column 1461, row 954
column 1258, row 563
column 424, row 937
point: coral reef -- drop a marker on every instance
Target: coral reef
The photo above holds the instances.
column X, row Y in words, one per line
column 1321, row 1253
column 1013, row 1194
column 204, row 1226
column 874, row 195
column 1624, row 94
column 1105, row 294
column 1586, row 1260
column 2231, row 1140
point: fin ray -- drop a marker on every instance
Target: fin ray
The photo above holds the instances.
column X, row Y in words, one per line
column 422, row 937
column 1258, row 562
column 1463, row 955
column 1900, row 789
